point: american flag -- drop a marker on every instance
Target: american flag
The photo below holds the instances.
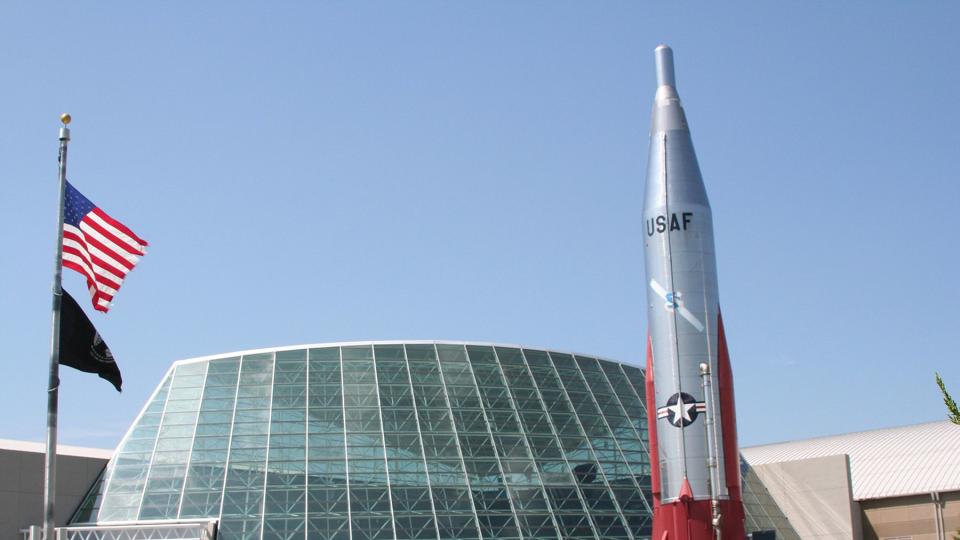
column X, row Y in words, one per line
column 98, row 246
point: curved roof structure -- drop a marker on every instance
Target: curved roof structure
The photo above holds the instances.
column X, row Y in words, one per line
column 389, row 440
column 394, row 440
column 891, row 462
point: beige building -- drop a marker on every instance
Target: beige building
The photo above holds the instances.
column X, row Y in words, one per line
column 888, row 484
column 21, row 483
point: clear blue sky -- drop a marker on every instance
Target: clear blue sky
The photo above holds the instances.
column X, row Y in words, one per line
column 310, row 172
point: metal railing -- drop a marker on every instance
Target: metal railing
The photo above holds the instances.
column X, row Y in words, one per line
column 170, row 530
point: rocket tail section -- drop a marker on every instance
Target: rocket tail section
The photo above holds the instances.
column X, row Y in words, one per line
column 685, row 518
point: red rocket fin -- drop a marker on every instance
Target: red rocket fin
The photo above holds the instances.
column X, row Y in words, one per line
column 651, row 397
column 686, row 494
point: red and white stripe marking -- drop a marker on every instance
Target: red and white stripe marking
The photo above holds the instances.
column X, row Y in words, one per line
column 105, row 251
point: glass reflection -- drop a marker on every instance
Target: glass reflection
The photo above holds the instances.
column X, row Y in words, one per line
column 391, row 441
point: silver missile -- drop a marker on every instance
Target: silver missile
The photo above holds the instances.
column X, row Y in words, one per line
column 685, row 329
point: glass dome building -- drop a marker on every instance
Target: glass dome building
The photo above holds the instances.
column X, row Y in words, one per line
column 386, row 441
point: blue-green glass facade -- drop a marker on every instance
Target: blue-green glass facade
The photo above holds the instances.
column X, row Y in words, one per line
column 388, row 441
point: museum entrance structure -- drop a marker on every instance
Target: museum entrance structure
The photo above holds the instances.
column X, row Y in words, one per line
column 385, row 441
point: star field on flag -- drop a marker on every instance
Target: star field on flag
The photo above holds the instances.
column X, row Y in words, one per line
column 98, row 246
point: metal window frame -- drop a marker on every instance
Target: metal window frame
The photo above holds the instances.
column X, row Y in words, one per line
column 306, row 446
column 526, row 441
column 456, row 438
column 342, row 344
column 423, row 451
column 383, row 439
column 233, row 423
column 346, row 447
column 156, row 441
column 266, row 458
column 632, row 428
column 643, row 404
column 493, row 442
column 583, row 432
column 193, row 439
column 556, row 436
column 603, row 416
column 111, row 465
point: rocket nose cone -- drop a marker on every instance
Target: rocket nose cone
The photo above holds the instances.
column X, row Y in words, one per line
column 667, row 111
column 664, row 59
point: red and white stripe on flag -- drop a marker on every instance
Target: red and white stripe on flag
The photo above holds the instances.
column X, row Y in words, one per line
column 99, row 247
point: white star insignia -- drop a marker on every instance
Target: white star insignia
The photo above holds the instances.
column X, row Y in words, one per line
column 681, row 411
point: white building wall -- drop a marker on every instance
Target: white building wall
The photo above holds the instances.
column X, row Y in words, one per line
column 815, row 495
column 21, row 483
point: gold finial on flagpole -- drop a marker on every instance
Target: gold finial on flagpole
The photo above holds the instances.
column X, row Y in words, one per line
column 65, row 131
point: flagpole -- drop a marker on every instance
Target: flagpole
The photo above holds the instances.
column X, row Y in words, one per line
column 53, row 387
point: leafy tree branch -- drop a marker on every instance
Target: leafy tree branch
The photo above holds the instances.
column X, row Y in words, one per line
column 952, row 409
